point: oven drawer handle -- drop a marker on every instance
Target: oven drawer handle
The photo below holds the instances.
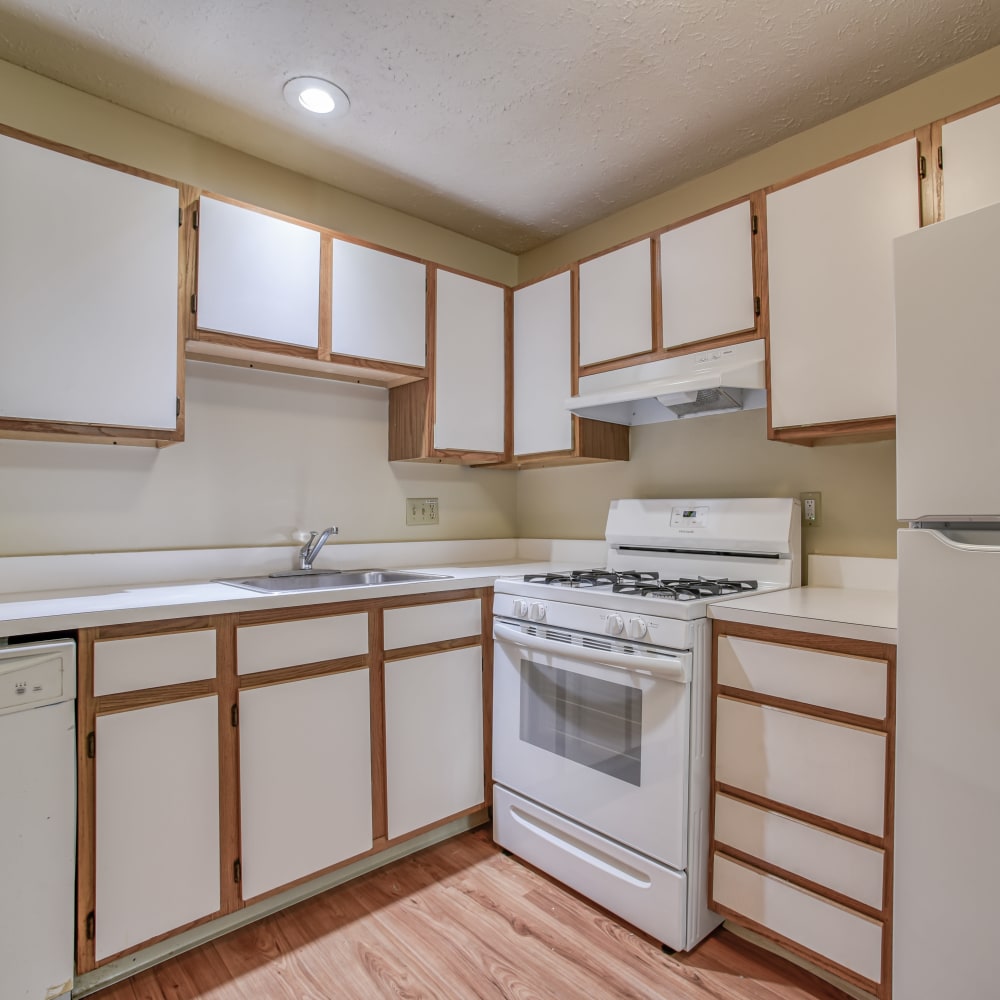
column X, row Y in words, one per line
column 669, row 668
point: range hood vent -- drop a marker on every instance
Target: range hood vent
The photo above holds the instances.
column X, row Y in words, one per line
column 718, row 381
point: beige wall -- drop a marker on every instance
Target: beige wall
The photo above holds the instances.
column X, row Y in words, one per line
column 727, row 455
column 265, row 454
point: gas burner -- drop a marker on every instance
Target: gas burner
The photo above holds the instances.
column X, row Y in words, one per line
column 685, row 589
column 593, row 578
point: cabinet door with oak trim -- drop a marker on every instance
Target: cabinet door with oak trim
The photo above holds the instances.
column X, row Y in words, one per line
column 305, row 778
column 830, row 285
column 157, row 822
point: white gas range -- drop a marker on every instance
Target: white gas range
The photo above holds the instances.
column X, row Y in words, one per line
column 601, row 703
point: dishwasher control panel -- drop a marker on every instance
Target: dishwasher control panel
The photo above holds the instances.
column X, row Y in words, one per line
column 36, row 675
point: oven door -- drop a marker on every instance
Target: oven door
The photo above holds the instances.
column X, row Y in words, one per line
column 596, row 729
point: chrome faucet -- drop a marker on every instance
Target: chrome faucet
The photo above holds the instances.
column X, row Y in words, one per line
column 310, row 550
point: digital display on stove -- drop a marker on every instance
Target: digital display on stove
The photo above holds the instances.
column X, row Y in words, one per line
column 688, row 517
column 690, row 513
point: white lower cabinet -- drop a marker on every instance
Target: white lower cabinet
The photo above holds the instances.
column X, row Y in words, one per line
column 157, row 821
column 434, row 737
column 305, row 778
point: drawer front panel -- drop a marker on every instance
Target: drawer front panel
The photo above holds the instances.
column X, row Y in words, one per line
column 825, row 768
column 837, row 862
column 845, row 937
column 153, row 661
column 432, row 623
column 289, row 644
column 831, row 680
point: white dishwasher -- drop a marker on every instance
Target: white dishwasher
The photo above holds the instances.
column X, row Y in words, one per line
column 37, row 819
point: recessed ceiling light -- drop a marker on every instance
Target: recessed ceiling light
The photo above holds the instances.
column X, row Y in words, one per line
column 319, row 97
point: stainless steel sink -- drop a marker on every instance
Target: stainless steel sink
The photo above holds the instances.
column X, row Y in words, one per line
column 302, row 581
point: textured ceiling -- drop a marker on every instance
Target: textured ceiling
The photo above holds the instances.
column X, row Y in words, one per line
column 511, row 121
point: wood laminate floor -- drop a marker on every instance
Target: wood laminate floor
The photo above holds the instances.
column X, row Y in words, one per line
column 459, row 921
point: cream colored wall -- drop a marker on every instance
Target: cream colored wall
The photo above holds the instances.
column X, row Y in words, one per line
column 729, row 455
column 265, row 454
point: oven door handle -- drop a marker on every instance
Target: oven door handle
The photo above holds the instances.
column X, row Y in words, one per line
column 671, row 668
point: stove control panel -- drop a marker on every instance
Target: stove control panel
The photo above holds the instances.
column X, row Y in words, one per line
column 688, row 517
column 537, row 611
column 637, row 628
column 534, row 610
column 616, row 625
column 521, row 608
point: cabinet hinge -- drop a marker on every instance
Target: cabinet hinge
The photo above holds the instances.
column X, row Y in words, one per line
column 177, row 407
column 756, row 305
column 91, row 923
column 194, row 218
column 180, row 217
column 234, row 716
column 91, row 745
column 923, row 167
column 194, row 302
column 754, row 225
column 940, row 157
column 237, row 871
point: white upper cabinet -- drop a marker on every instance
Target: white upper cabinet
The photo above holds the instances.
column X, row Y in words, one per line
column 88, row 292
column 971, row 152
column 706, row 277
column 830, row 277
column 542, row 366
column 379, row 305
column 469, row 365
column 616, row 304
column 258, row 276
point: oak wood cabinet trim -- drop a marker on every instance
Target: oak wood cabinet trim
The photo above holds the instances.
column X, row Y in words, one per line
column 861, row 648
column 376, row 700
column 302, row 671
column 273, row 616
column 235, row 340
column 442, row 597
column 371, row 364
column 89, row 433
column 86, row 849
column 804, row 708
column 138, row 630
column 855, row 431
column 410, row 834
column 128, row 701
column 229, row 762
column 816, row 888
column 812, row 956
column 441, row 646
column 487, row 640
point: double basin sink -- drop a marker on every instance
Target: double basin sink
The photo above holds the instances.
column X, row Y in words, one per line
column 303, row 581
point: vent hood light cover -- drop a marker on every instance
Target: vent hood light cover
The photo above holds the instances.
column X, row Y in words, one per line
column 716, row 381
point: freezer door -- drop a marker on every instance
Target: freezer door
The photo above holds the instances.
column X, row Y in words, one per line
column 947, row 365
column 947, row 818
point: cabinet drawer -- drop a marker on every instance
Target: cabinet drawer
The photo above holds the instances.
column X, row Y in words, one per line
column 310, row 640
column 153, row 661
column 847, row 938
column 825, row 768
column 828, row 859
column 432, row 623
column 831, row 680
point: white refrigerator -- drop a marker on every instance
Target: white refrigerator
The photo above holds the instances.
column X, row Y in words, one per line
column 947, row 815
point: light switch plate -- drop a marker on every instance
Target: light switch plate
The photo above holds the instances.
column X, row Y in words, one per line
column 421, row 510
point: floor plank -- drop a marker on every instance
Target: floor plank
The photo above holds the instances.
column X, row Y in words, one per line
column 462, row 921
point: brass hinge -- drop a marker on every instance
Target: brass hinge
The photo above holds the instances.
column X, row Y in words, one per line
column 756, row 305
column 177, row 407
column 234, row 716
column 91, row 745
column 91, row 922
column 922, row 170
column 753, row 225
column 194, row 218
column 180, row 217
column 237, row 871
column 194, row 302
column 940, row 157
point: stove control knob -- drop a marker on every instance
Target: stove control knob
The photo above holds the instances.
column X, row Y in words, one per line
column 615, row 625
column 538, row 612
column 637, row 628
column 521, row 609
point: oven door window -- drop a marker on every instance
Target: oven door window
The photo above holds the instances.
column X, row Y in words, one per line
column 592, row 722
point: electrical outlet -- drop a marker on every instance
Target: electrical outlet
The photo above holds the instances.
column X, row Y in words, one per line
column 811, row 509
column 421, row 510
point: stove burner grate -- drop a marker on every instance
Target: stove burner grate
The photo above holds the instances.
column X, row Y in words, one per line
column 686, row 589
column 593, row 578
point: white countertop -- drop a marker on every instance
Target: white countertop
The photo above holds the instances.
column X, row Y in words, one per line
column 846, row 612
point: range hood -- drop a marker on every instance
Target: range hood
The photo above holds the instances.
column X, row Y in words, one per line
column 716, row 381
